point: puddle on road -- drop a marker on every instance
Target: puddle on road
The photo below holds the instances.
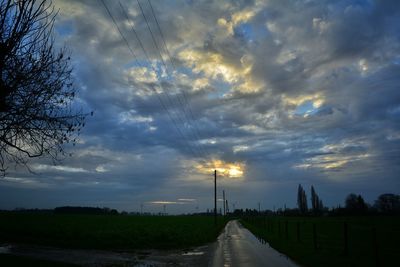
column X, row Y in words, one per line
column 193, row 253
column 99, row 258
column 5, row 249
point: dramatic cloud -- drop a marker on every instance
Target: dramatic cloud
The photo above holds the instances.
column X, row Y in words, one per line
column 269, row 93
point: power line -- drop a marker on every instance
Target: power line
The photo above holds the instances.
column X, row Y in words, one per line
column 186, row 104
column 174, row 68
column 152, row 35
column 166, row 69
column 145, row 53
column 119, row 30
column 155, row 91
column 153, row 68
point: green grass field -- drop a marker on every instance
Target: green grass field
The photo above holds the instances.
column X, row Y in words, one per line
column 371, row 241
column 108, row 231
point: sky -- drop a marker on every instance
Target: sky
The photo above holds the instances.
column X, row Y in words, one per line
column 271, row 94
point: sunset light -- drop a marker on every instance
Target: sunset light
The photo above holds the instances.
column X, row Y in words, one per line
column 225, row 169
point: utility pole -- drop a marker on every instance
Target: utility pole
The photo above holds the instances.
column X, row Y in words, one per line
column 215, row 197
column 223, row 196
column 227, row 207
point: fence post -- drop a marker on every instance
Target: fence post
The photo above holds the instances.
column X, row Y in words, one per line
column 346, row 239
column 298, row 231
column 315, row 236
column 287, row 230
column 265, row 223
column 375, row 245
column 279, row 229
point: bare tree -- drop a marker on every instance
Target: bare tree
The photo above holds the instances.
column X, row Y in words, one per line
column 36, row 89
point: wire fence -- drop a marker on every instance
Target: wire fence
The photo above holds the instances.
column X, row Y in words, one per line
column 332, row 241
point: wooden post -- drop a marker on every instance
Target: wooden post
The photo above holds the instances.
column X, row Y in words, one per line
column 287, row 230
column 265, row 223
column 315, row 236
column 279, row 229
column 298, row 231
column 346, row 240
column 375, row 244
column 223, row 196
column 215, row 197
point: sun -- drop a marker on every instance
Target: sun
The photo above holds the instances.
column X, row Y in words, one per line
column 225, row 169
column 235, row 171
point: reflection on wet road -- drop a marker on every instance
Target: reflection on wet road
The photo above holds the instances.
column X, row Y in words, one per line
column 236, row 246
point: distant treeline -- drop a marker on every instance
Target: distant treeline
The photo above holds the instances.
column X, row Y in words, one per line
column 71, row 210
column 385, row 204
column 85, row 210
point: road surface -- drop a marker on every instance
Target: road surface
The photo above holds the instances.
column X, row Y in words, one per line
column 237, row 247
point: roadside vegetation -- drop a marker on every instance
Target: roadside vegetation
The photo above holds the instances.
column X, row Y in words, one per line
column 358, row 234
column 331, row 241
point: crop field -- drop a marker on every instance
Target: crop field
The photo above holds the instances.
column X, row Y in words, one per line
column 108, row 231
column 332, row 241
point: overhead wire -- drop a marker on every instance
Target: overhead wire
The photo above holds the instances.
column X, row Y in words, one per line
column 167, row 71
column 153, row 68
column 147, row 56
column 183, row 93
column 196, row 154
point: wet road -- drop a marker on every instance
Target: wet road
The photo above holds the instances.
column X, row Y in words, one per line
column 236, row 246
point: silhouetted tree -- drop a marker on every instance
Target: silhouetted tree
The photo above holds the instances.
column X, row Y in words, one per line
column 316, row 202
column 299, row 197
column 355, row 203
column 36, row 90
column 302, row 200
column 388, row 203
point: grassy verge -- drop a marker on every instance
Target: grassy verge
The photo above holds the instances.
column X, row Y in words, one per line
column 356, row 241
column 108, row 231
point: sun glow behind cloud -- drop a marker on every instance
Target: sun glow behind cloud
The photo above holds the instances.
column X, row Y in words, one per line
column 162, row 202
column 225, row 169
column 179, row 201
column 331, row 162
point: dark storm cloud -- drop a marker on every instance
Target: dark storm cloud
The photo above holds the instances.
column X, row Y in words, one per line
column 300, row 91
